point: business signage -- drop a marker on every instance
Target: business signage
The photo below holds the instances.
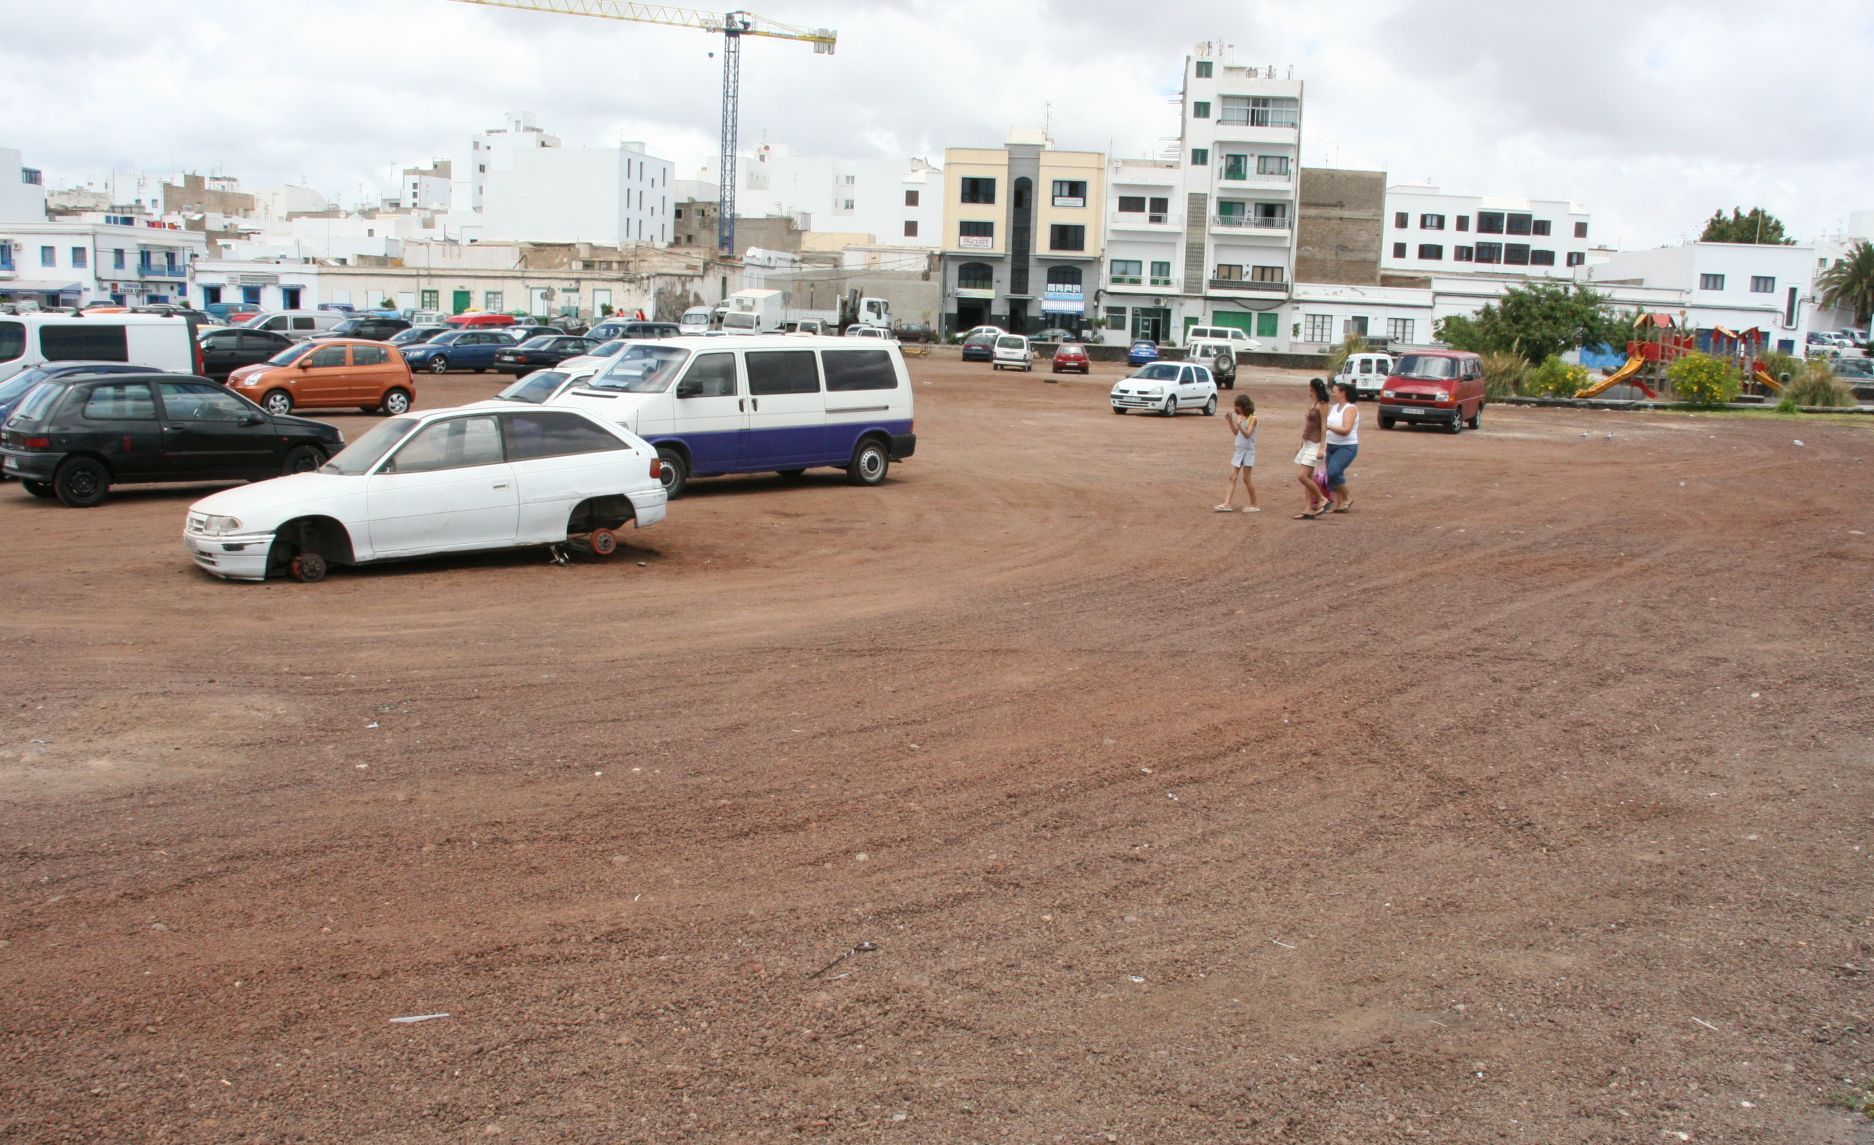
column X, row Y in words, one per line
column 976, row 242
column 974, row 293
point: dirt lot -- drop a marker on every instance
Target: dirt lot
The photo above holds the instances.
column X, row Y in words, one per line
column 1525, row 802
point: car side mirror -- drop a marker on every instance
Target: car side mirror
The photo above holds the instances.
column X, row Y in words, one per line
column 689, row 389
column 304, row 363
column 253, row 419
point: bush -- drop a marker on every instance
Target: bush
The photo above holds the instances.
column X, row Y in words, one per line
column 1814, row 384
column 1778, row 363
column 1554, row 378
column 1504, row 372
column 1703, row 380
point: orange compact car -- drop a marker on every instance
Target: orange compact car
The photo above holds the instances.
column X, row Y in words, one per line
column 331, row 373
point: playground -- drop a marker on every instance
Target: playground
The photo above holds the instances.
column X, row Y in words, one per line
column 1659, row 340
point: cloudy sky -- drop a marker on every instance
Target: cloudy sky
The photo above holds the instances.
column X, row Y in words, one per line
column 1650, row 113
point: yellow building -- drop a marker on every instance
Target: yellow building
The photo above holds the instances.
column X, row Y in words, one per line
column 1022, row 235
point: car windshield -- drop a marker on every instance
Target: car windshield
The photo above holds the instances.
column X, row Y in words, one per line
column 348, row 325
column 35, row 403
column 1010, row 342
column 1071, row 348
column 291, row 354
column 535, row 388
column 1159, row 372
column 356, row 459
column 1145, row 345
column 1426, row 367
column 606, row 349
column 642, row 369
column 446, row 339
column 414, row 334
column 19, row 383
column 538, row 342
column 980, row 340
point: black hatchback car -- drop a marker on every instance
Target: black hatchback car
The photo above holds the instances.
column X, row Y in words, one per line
column 225, row 351
column 75, row 436
column 539, row 353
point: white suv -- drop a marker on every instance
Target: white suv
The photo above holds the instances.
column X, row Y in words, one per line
column 1218, row 354
column 1013, row 352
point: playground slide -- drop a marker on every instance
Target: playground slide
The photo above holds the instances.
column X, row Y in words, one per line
column 1762, row 377
column 1610, row 381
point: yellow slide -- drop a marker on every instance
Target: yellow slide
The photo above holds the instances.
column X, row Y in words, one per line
column 1610, row 381
column 1763, row 378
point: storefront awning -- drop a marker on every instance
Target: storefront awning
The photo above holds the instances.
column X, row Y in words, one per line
column 41, row 288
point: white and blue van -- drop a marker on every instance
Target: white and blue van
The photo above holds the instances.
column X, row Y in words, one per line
column 767, row 402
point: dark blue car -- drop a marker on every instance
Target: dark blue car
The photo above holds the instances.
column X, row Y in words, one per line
column 1143, row 350
column 457, row 350
column 979, row 348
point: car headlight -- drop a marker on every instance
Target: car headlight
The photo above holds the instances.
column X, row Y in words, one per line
column 1154, row 391
column 1387, row 394
column 251, row 380
column 218, row 526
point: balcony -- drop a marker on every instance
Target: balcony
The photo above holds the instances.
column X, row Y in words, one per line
column 1141, row 221
column 1269, row 226
column 1234, row 178
column 1247, row 286
column 149, row 270
column 1258, row 126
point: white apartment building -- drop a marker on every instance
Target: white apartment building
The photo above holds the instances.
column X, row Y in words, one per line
column 1734, row 285
column 577, row 194
column 1209, row 238
column 22, row 189
column 469, row 171
column 425, row 188
column 1430, row 232
column 897, row 202
column 67, row 262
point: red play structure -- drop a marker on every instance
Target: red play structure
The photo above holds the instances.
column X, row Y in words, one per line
column 1659, row 341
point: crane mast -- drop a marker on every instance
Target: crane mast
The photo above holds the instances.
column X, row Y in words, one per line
column 732, row 26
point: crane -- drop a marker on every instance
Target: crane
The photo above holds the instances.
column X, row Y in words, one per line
column 733, row 26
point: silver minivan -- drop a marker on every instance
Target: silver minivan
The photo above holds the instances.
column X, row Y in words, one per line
column 298, row 325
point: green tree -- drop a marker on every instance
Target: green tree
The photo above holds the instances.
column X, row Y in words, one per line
column 1759, row 226
column 1535, row 322
column 1848, row 284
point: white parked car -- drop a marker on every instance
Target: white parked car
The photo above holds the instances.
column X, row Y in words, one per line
column 980, row 330
column 491, row 475
column 858, row 331
column 542, row 386
column 600, row 355
column 1013, row 352
column 1166, row 388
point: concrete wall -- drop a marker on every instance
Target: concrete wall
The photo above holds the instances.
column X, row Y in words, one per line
column 1342, row 219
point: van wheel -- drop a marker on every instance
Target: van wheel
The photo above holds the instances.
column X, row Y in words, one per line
column 82, row 482
column 673, row 471
column 277, row 402
column 1457, row 422
column 1477, row 419
column 39, row 488
column 396, row 401
column 304, row 459
column 1387, row 423
column 870, row 462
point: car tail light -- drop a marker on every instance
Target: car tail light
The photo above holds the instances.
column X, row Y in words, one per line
column 657, row 468
column 35, row 443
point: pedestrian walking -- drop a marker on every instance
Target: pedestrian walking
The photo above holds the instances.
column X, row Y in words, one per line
column 1242, row 423
column 1311, row 458
column 1343, row 442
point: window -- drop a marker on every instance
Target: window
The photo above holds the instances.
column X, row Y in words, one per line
column 1399, row 329
column 1581, row 230
column 491, row 301
column 1516, row 254
column 782, row 372
column 852, row 180
column 1125, row 271
column 1161, row 274
column 1761, row 284
column 1115, row 318
column 1132, row 204
column 1541, row 258
column 195, row 401
column 1489, row 252
column 1460, row 254
column 1318, row 328
column 78, row 257
column 1160, row 208
column 848, row 204
column 117, row 259
column 1711, row 282
column 1432, row 252
column 977, row 190
column 849, row 370
column 1062, row 236
column 453, row 443
column 12, row 340
column 1273, row 165
column 48, row 256
column 1489, row 222
column 910, row 198
column 1577, row 258
column 327, row 357
column 1235, row 165
column 1064, row 278
column 1355, row 326
column 975, row 276
column 370, row 355
column 1229, row 272
column 1203, row 69
column 1267, row 274
column 1431, row 222
column 430, row 299
column 118, row 401
column 1540, row 228
column 1266, row 324
column 710, row 376
column 1398, row 250
column 1399, row 219
column 910, row 228
column 1200, row 109
column 1464, row 222
column 1520, row 224
column 982, row 230
column 85, row 343
column 1200, row 156
column 549, row 434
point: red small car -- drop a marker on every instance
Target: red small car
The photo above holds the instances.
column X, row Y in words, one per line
column 1434, row 387
column 1072, row 356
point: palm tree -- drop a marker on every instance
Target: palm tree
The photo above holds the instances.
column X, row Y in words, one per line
column 1849, row 283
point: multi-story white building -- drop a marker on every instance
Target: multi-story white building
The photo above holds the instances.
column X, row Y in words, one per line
column 1734, row 285
column 428, row 188
column 126, row 260
column 896, row 201
column 469, row 170
column 22, row 189
column 1430, row 232
column 1209, row 238
column 578, row 194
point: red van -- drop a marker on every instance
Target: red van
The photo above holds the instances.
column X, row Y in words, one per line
column 1434, row 387
column 471, row 321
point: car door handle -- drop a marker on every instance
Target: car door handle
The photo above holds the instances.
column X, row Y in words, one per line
column 501, row 485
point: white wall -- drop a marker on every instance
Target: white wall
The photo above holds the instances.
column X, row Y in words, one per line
column 774, row 179
column 20, row 201
column 1416, row 202
column 578, row 194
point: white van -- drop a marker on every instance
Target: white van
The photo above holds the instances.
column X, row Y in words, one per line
column 159, row 341
column 764, row 402
column 1366, row 373
column 695, row 320
column 1239, row 340
column 298, row 325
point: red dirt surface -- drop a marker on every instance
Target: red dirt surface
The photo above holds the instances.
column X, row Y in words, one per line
column 1526, row 802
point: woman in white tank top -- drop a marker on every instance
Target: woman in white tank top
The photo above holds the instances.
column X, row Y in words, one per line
column 1343, row 442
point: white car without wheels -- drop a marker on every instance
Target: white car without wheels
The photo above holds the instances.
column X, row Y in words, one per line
column 491, row 475
column 1166, row 388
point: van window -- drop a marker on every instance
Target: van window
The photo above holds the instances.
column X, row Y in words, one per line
column 120, row 401
column 90, row 342
column 848, row 370
column 1425, row 366
column 712, row 376
column 12, row 340
column 303, row 323
column 782, row 372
